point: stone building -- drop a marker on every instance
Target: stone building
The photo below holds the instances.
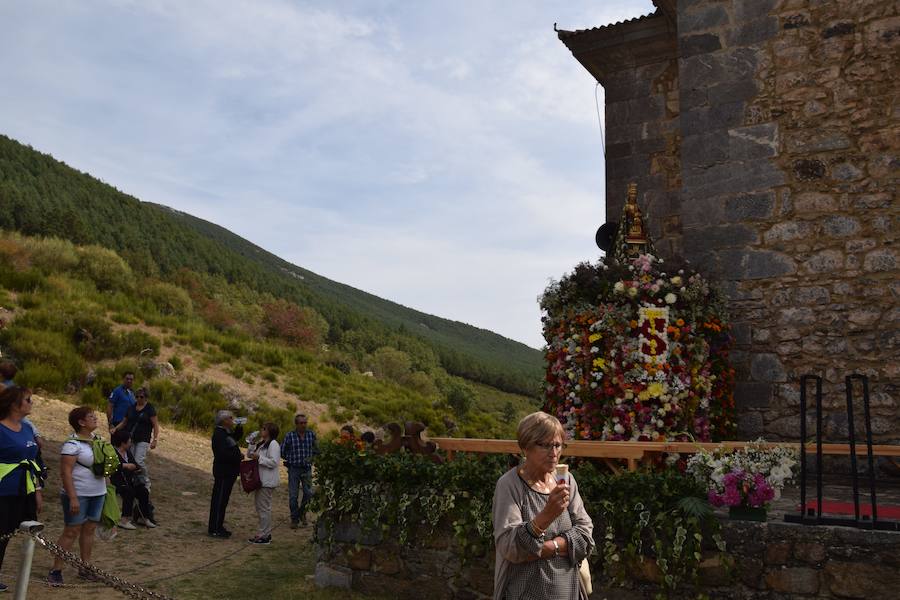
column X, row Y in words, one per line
column 764, row 137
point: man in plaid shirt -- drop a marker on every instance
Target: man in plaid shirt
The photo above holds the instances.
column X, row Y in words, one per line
column 297, row 451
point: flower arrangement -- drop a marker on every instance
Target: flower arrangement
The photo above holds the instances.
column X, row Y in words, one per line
column 638, row 350
column 750, row 477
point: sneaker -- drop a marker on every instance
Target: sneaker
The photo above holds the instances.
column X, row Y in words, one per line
column 219, row 534
column 3, row 587
column 55, row 578
column 126, row 524
column 295, row 524
column 87, row 575
column 260, row 540
column 146, row 523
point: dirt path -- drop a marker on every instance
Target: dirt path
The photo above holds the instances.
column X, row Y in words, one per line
column 161, row 557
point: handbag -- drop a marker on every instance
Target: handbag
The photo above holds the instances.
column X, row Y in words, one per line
column 584, row 573
column 250, row 480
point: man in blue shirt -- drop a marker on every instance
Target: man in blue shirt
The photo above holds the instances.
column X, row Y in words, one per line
column 298, row 450
column 120, row 400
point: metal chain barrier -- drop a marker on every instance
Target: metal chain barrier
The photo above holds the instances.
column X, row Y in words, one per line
column 9, row 536
column 129, row 589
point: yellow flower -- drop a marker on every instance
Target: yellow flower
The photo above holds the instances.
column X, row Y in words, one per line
column 599, row 362
column 594, row 337
column 644, row 396
column 655, row 389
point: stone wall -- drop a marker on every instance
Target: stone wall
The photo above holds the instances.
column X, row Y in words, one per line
column 763, row 561
column 783, row 119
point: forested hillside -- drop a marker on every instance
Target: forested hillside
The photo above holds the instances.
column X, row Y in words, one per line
column 40, row 196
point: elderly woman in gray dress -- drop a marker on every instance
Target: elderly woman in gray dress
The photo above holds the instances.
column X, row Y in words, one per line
column 541, row 530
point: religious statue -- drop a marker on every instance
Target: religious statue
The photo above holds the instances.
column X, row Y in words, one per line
column 632, row 238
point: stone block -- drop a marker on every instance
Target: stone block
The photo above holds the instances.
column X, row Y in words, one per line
column 883, row 259
column 766, row 367
column 810, row 202
column 861, row 580
column 810, row 552
column 753, row 32
column 846, row 172
column 824, row 140
column 749, row 394
column 359, row 559
column 750, row 425
column 702, row 17
column 386, row 562
column 824, row 262
column 840, row 226
column 870, row 201
column 747, row 10
column 813, row 295
column 704, row 149
column 750, row 207
column 741, row 333
column 750, row 571
column 720, row 236
column 756, row 264
column 706, row 119
column 698, row 44
column 332, row 576
column 808, row 169
column 778, row 553
column 839, row 28
column 795, row 580
column 787, row 231
column 754, row 141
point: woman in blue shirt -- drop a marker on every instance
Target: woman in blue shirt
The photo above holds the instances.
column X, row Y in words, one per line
column 20, row 498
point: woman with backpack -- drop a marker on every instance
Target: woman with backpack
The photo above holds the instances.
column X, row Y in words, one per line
column 268, row 453
column 83, row 491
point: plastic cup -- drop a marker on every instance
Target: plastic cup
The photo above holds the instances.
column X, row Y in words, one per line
column 562, row 473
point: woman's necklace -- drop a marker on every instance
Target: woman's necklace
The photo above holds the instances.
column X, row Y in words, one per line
column 538, row 485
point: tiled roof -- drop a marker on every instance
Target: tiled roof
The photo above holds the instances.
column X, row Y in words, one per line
column 662, row 7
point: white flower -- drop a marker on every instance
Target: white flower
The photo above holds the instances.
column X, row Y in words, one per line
column 671, row 298
column 619, row 287
column 619, row 429
column 632, row 292
column 676, row 281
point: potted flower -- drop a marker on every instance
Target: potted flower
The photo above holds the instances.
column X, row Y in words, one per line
column 745, row 480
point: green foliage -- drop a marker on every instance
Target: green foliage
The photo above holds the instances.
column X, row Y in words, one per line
column 662, row 517
column 105, row 268
column 167, row 298
column 408, row 494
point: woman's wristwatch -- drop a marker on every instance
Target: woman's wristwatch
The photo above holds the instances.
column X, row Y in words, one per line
column 555, row 547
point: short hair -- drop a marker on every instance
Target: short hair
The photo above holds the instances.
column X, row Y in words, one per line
column 222, row 415
column 142, row 391
column 127, row 373
column 119, row 437
column 348, row 428
column 12, row 396
column 8, row 369
column 79, row 413
column 536, row 427
column 368, row 437
column 298, row 417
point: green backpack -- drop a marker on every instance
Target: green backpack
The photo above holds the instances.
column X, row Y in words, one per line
column 106, row 459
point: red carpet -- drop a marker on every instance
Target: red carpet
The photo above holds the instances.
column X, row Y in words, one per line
column 846, row 508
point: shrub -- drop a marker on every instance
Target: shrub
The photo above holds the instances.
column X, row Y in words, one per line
column 105, row 268
column 175, row 361
column 169, row 299
column 52, row 255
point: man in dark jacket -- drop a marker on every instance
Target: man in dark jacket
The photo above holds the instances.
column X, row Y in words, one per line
column 226, row 468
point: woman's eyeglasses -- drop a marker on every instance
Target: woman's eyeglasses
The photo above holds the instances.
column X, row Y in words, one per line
column 548, row 448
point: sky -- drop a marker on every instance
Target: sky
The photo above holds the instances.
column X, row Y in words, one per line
column 443, row 155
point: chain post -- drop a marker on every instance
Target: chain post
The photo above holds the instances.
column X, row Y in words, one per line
column 32, row 528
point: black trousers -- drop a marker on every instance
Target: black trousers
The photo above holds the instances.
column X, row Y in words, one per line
column 138, row 492
column 221, row 494
column 14, row 510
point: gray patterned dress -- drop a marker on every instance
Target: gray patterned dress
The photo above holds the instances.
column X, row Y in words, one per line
column 516, row 577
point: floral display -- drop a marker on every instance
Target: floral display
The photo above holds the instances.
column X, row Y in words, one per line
column 637, row 349
column 750, row 477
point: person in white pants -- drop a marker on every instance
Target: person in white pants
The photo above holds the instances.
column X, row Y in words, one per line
column 268, row 453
